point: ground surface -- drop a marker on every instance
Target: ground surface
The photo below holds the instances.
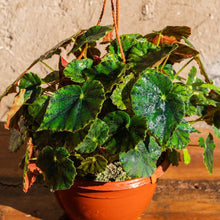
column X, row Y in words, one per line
column 30, row 28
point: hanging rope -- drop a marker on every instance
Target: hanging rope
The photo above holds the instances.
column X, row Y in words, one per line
column 102, row 12
column 116, row 28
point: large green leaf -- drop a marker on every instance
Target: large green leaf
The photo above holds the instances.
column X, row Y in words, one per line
column 38, row 108
column 108, row 72
column 181, row 137
column 58, row 169
column 74, row 69
column 145, row 54
column 73, row 107
column 31, row 82
column 139, row 162
column 93, row 165
column 208, row 147
column 153, row 98
column 125, row 133
column 91, row 35
column 97, row 135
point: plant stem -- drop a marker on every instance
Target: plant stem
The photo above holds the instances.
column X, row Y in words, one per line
column 165, row 61
column 183, row 67
column 47, row 65
column 158, row 42
column 84, row 50
column 116, row 30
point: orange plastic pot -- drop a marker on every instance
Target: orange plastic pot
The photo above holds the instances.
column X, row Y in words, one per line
column 124, row 200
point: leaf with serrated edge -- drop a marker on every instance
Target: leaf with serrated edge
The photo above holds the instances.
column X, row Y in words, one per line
column 74, row 69
column 93, row 165
column 125, row 133
column 153, row 98
column 73, row 107
column 144, row 166
column 91, row 35
column 58, row 170
column 208, row 147
column 180, row 138
column 96, row 136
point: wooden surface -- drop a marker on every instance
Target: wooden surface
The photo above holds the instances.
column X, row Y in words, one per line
column 184, row 192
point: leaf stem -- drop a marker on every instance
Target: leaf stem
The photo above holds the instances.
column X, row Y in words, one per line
column 158, row 41
column 184, row 66
column 165, row 61
column 47, row 65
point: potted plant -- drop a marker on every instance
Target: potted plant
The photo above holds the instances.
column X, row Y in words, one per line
column 113, row 119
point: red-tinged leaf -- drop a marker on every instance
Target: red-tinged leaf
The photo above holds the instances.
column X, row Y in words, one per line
column 63, row 62
column 164, row 39
column 108, row 37
column 18, row 102
column 182, row 52
column 31, row 171
column 30, row 176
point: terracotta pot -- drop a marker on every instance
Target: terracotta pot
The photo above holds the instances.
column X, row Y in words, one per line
column 124, row 200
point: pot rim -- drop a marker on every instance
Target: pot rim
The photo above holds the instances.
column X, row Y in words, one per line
column 122, row 185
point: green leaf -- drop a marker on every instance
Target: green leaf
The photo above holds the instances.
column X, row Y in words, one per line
column 152, row 97
column 30, row 82
column 216, row 131
column 58, row 169
column 127, row 42
column 211, row 87
column 93, row 165
column 138, row 162
column 186, row 156
column 73, row 107
column 38, row 108
column 108, row 72
column 145, row 54
column 97, row 135
column 17, row 139
column 116, row 96
column 93, row 34
column 74, row 69
column 125, row 133
column 174, row 157
column 208, row 147
column 51, row 77
column 191, row 76
column 181, row 137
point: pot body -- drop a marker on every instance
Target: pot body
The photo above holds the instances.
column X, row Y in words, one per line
column 124, row 200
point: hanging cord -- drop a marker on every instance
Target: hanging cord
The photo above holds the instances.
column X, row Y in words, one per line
column 98, row 23
column 102, row 13
column 116, row 27
column 116, row 24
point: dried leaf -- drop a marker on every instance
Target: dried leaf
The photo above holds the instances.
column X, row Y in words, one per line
column 18, row 102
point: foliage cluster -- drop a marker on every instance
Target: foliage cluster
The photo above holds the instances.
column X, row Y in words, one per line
column 96, row 110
